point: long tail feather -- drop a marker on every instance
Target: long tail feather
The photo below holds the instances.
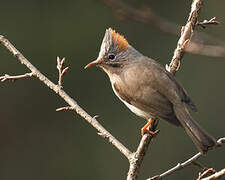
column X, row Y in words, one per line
column 202, row 140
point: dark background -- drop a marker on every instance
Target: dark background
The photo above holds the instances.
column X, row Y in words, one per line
column 38, row 143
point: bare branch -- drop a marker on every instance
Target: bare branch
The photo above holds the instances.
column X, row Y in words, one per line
column 62, row 72
column 67, row 108
column 200, row 43
column 212, row 21
column 7, row 77
column 135, row 159
column 188, row 162
column 138, row 156
column 217, row 175
column 206, row 173
column 96, row 116
column 186, row 34
column 179, row 166
column 221, row 141
column 125, row 151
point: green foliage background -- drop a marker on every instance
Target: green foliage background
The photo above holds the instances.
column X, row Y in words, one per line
column 38, row 143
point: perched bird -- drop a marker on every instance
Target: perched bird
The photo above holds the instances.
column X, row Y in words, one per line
column 147, row 88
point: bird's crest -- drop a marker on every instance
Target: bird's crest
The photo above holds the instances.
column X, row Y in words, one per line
column 119, row 40
column 113, row 40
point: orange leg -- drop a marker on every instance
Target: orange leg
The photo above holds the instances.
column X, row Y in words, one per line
column 145, row 129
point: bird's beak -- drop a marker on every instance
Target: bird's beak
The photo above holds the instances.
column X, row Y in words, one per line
column 93, row 63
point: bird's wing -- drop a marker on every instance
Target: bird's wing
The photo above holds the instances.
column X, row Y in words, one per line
column 173, row 88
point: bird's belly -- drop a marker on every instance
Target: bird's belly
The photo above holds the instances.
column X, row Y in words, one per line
column 137, row 111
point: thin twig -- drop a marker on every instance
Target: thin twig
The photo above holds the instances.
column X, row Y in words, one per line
column 125, row 151
column 206, row 173
column 67, row 108
column 62, row 72
column 7, row 77
column 201, row 42
column 188, row 162
column 212, row 21
column 217, row 175
column 186, row 34
column 221, row 141
column 179, row 166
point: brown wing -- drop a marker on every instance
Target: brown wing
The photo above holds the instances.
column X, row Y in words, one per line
column 165, row 82
column 142, row 93
column 152, row 89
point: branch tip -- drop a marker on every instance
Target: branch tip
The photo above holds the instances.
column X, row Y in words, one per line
column 96, row 116
column 62, row 72
column 221, row 141
column 212, row 21
column 67, row 108
column 65, row 70
column 103, row 135
column 7, row 77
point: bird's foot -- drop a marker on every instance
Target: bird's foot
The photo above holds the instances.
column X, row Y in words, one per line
column 146, row 130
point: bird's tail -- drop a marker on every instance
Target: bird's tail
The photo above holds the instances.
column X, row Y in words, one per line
column 202, row 140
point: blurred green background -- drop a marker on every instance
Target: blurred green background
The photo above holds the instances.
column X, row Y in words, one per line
column 38, row 143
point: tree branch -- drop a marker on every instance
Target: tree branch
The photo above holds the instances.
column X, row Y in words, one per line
column 7, row 77
column 58, row 90
column 62, row 72
column 186, row 34
column 135, row 159
column 212, row 21
column 188, row 162
column 206, row 172
column 217, row 175
column 138, row 157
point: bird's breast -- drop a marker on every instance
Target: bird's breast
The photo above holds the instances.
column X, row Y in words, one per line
column 127, row 101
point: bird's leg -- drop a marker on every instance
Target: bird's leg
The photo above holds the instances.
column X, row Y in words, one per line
column 146, row 129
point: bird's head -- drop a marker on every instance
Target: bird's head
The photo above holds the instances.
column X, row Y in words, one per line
column 115, row 51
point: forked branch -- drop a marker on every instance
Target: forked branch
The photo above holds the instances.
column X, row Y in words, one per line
column 62, row 71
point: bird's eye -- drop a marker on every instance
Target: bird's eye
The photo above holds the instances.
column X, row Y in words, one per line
column 111, row 56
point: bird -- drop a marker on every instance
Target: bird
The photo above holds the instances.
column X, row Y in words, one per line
column 148, row 89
